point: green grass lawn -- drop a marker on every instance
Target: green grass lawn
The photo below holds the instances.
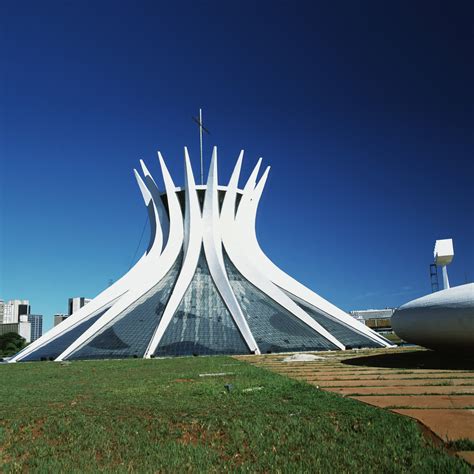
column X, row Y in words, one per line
column 160, row 416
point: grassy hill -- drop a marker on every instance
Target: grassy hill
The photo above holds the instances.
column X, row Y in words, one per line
column 161, row 416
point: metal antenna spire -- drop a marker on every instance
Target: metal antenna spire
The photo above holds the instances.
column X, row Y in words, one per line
column 201, row 128
column 200, row 143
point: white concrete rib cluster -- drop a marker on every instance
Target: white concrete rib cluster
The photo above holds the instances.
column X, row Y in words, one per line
column 231, row 228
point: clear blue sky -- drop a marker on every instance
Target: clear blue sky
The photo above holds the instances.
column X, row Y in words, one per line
column 364, row 112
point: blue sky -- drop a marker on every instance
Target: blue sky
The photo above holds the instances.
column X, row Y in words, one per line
column 364, row 111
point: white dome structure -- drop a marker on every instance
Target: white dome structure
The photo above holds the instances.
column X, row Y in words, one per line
column 203, row 286
column 442, row 321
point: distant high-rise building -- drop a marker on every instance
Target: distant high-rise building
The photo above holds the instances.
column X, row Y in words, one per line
column 59, row 318
column 13, row 309
column 8, row 314
column 36, row 321
column 2, row 309
column 22, row 327
column 76, row 304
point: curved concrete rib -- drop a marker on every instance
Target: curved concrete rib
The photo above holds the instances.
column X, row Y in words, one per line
column 252, row 180
column 176, row 231
column 241, row 256
column 106, row 298
column 154, row 269
column 192, row 250
column 246, row 222
column 215, row 258
column 156, row 237
column 228, row 206
column 190, row 218
column 161, row 216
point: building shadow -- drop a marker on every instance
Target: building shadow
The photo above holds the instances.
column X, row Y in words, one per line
column 417, row 359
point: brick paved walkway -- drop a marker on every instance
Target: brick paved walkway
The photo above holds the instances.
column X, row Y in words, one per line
column 435, row 389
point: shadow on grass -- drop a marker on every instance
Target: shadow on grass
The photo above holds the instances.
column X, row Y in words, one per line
column 417, row 360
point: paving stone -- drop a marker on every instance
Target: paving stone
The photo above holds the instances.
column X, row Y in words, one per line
column 417, row 390
column 447, row 412
column 467, row 456
column 389, row 376
column 419, row 401
column 373, row 372
column 392, row 383
column 450, row 425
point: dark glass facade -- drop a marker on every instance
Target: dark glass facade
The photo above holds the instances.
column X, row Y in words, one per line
column 274, row 328
column 130, row 332
column 348, row 336
column 36, row 321
column 202, row 324
column 52, row 349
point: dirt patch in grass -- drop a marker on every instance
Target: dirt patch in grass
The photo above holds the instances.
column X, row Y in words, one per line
column 37, row 428
column 195, row 433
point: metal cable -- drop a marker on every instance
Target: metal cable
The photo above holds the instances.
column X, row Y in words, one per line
column 139, row 242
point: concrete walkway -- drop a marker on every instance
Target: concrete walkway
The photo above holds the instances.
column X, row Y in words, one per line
column 435, row 389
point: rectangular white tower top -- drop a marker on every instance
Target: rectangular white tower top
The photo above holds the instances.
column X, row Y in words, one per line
column 443, row 252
